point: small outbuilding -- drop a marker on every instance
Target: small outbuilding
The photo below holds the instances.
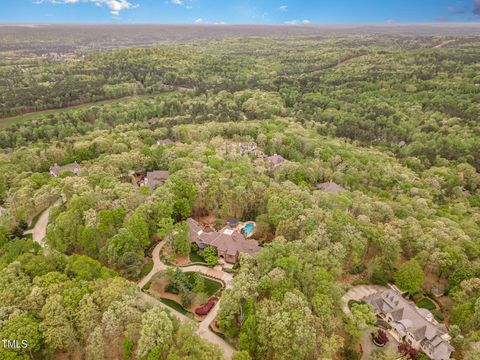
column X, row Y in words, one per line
column 329, row 187
column 55, row 170
column 164, row 142
column 155, row 178
column 276, row 159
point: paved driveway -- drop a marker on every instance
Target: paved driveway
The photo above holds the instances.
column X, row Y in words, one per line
column 203, row 330
column 369, row 347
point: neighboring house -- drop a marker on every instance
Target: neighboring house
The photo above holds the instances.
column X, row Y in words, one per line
column 228, row 242
column 55, row 170
column 411, row 324
column 248, row 148
column 153, row 121
column 164, row 142
column 329, row 187
column 155, row 178
column 276, row 160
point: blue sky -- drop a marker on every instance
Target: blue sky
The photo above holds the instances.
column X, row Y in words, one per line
column 238, row 11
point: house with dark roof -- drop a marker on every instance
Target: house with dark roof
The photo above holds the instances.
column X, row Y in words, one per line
column 228, row 242
column 410, row 324
column 155, row 178
column 329, row 187
column 276, row 159
column 55, row 170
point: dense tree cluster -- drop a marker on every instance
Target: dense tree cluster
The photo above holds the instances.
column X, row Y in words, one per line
column 389, row 119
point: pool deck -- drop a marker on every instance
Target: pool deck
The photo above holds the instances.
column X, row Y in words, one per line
column 241, row 225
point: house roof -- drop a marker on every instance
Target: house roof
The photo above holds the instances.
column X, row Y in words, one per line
column 419, row 322
column 165, row 142
column 155, row 178
column 227, row 239
column 276, row 159
column 74, row 167
column 330, row 187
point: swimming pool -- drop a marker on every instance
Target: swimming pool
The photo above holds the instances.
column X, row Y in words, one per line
column 248, row 229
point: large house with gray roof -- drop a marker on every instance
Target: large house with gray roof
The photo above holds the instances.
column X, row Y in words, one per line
column 411, row 324
column 228, row 242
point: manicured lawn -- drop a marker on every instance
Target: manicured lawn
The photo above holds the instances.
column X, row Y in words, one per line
column 146, row 269
column 426, row 303
column 174, row 305
column 351, row 302
column 211, row 286
column 194, row 257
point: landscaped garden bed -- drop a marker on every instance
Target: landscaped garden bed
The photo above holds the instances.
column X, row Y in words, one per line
column 427, row 303
column 190, row 290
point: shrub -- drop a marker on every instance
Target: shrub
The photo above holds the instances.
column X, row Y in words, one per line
column 205, row 309
column 408, row 351
column 171, row 289
column 381, row 337
column 380, row 276
column 357, row 269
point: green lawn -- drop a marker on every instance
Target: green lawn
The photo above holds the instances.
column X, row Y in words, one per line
column 194, row 257
column 174, row 305
column 211, row 286
column 426, row 303
column 146, row 269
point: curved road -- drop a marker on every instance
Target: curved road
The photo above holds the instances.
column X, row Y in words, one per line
column 40, row 230
column 203, row 329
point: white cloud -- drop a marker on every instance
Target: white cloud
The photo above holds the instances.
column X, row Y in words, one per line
column 115, row 6
column 283, row 8
column 220, row 23
column 199, row 21
column 177, row 2
column 296, row 22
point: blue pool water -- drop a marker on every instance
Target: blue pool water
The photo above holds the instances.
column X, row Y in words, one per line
column 248, row 229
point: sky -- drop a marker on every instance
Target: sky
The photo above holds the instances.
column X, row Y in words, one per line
column 239, row 11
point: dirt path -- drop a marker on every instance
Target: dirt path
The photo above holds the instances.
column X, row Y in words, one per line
column 203, row 329
column 441, row 45
column 40, row 229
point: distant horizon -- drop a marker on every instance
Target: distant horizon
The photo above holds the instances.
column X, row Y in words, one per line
column 311, row 25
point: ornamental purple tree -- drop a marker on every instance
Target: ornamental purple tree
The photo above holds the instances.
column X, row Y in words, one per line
column 381, row 338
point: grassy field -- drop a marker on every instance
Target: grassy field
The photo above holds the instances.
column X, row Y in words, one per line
column 9, row 121
column 146, row 269
column 174, row 305
column 194, row 257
